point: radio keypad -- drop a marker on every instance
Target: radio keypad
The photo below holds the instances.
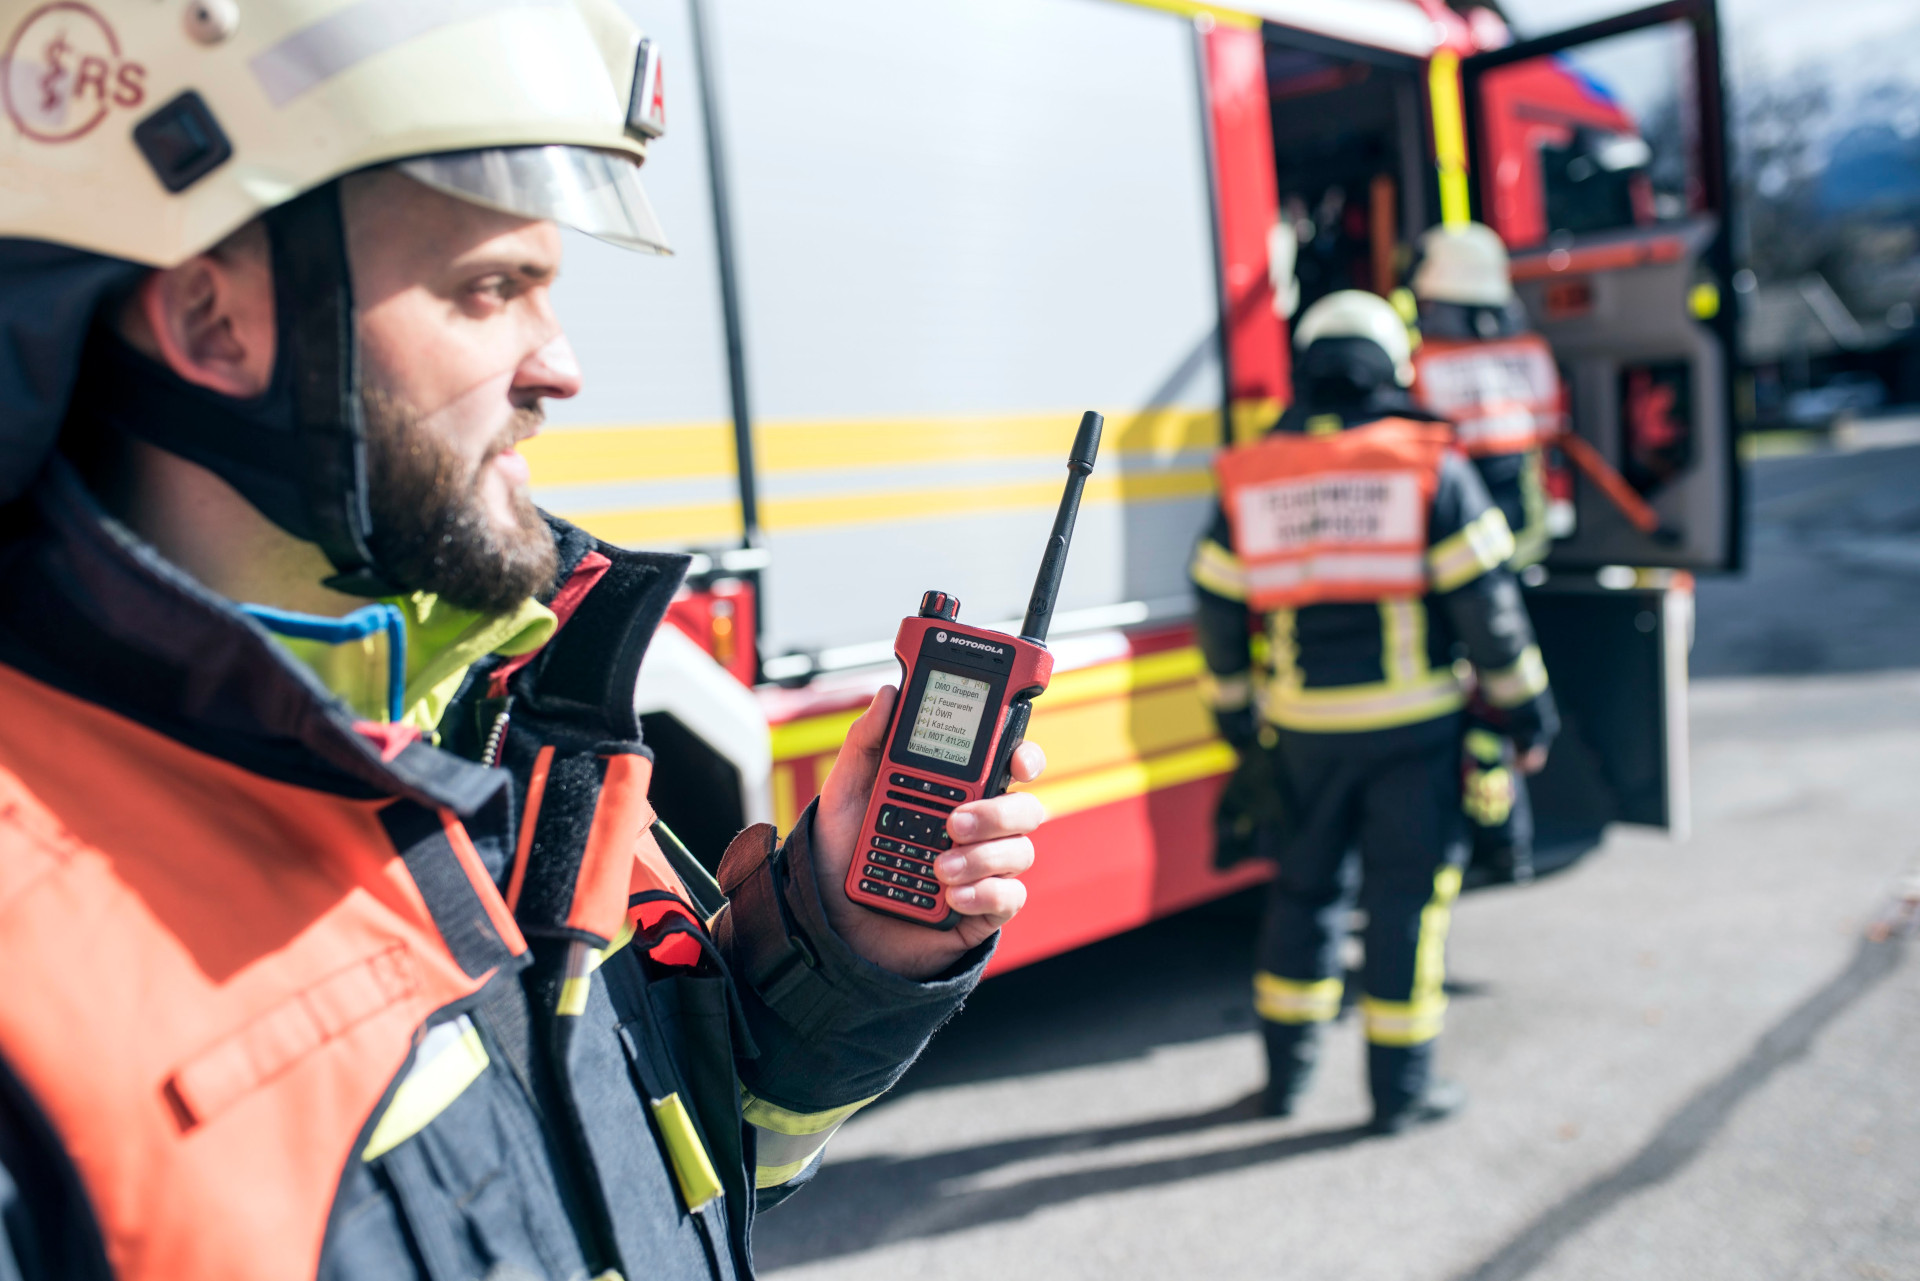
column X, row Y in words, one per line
column 944, row 792
column 896, row 893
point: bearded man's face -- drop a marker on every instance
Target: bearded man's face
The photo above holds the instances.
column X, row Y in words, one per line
column 460, row 347
column 436, row 527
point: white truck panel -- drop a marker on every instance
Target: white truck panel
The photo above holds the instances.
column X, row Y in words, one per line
column 965, row 208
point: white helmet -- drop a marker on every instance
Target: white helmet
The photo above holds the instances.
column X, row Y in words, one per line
column 1465, row 265
column 138, row 135
column 147, row 132
column 1355, row 313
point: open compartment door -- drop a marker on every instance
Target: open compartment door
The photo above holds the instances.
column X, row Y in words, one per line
column 1599, row 156
column 1618, row 657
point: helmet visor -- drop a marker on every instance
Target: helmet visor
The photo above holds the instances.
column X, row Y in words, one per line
column 597, row 192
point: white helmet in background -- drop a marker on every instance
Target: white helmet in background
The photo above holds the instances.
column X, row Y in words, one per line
column 1355, row 313
column 1465, row 265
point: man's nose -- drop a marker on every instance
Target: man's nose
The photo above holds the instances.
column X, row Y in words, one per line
column 551, row 373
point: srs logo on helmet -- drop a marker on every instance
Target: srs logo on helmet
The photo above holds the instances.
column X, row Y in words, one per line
column 62, row 73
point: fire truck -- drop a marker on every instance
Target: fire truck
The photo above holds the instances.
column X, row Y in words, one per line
column 913, row 241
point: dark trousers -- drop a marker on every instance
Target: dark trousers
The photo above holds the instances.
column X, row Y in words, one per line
column 1391, row 797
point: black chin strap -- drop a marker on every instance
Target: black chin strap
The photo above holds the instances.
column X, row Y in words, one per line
column 313, row 298
column 298, row 452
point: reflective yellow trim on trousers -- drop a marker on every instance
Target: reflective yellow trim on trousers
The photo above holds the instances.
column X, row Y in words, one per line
column 452, row 1058
column 1513, row 685
column 1279, row 1000
column 1484, row 543
column 1419, row 1018
column 1218, row 570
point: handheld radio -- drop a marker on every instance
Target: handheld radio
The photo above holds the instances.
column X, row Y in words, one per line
column 965, row 696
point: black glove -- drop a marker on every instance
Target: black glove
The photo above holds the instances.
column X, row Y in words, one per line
column 1240, row 727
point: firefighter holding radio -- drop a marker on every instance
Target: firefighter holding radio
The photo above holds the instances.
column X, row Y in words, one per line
column 1364, row 548
column 341, row 936
column 1481, row 367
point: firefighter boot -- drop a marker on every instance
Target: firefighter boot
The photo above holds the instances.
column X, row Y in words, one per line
column 1292, row 1050
column 1405, row 1091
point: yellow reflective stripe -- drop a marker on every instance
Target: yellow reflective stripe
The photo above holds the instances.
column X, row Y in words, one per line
column 1226, row 693
column 1402, row 1022
column 582, row 960
column 450, row 1059
column 1487, row 796
column 1485, row 746
column 1344, row 708
column 1281, row 1000
column 771, row 1116
column 1532, row 542
column 1403, row 635
column 1419, row 1018
column 1514, row 685
column 692, row 1167
column 1462, row 556
column 1218, row 570
column 787, row 1141
column 772, row 1176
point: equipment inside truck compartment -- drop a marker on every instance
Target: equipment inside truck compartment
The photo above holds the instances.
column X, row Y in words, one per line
column 1349, row 154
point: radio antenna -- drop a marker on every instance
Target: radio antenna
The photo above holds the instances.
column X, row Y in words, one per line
column 1046, row 585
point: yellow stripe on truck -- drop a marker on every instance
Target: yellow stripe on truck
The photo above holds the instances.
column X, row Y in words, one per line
column 692, row 524
column 1098, row 735
column 1123, row 782
column 620, row 453
column 817, row 735
column 1117, row 730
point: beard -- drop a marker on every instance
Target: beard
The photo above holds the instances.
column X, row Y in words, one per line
column 432, row 531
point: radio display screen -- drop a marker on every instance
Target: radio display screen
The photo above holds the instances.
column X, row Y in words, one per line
column 948, row 721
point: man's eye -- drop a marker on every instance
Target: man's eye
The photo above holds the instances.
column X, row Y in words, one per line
column 496, row 288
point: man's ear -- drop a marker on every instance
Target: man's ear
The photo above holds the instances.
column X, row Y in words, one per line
column 210, row 319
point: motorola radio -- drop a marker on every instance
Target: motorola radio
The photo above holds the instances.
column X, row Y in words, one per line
column 965, row 696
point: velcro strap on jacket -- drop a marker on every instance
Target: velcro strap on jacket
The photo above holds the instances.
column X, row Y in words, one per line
column 784, row 972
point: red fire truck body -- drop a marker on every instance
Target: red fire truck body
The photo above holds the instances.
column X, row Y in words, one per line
column 897, row 347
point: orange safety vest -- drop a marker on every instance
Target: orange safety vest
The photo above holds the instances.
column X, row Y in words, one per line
column 1341, row 517
column 215, row 977
column 1502, row 396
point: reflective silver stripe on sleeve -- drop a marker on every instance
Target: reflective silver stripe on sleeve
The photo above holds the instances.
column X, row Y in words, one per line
column 786, row 1142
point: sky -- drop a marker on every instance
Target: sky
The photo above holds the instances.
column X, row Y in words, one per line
column 1858, row 41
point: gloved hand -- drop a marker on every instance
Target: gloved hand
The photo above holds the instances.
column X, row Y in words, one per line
column 1240, row 727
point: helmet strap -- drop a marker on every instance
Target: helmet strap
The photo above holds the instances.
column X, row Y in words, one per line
column 313, row 303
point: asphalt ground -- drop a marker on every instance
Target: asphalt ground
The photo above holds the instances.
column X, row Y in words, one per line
column 1686, row 1060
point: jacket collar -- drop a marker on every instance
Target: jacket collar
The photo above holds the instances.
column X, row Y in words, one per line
column 88, row 607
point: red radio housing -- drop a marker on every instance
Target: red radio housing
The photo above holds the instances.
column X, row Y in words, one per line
column 904, row 830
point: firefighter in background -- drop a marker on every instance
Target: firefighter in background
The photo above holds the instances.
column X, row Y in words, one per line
column 341, row 937
column 1364, row 547
column 1481, row 367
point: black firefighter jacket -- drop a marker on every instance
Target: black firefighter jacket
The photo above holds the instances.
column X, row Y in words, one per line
column 293, row 996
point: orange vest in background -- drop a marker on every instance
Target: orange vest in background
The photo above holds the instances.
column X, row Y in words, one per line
column 1341, row 517
column 1502, row 396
